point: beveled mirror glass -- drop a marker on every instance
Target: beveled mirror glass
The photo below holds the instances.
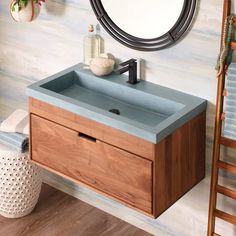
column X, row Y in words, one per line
column 145, row 25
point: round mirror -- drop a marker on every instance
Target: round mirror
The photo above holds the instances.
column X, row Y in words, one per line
column 152, row 25
column 145, row 25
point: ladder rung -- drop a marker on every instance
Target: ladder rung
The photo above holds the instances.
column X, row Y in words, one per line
column 228, row 142
column 233, row 45
column 225, row 216
column 225, row 191
column 226, row 166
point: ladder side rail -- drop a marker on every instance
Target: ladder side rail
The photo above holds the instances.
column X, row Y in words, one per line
column 217, row 134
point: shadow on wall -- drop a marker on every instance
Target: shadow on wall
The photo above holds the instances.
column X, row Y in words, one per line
column 59, row 10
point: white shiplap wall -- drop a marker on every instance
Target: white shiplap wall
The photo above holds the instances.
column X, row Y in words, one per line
column 30, row 52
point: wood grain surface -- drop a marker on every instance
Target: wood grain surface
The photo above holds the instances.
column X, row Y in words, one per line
column 180, row 162
column 97, row 130
column 178, row 165
column 60, row 214
column 118, row 173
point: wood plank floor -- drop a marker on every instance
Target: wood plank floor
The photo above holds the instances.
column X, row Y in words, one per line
column 58, row 214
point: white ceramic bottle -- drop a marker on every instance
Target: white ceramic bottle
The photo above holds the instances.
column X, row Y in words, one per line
column 92, row 45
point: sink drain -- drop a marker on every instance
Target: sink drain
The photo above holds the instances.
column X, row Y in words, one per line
column 115, row 111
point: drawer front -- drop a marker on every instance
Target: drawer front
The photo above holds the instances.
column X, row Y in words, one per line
column 102, row 132
column 113, row 171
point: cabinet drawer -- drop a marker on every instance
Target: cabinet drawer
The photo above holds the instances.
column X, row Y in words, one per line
column 106, row 168
column 100, row 131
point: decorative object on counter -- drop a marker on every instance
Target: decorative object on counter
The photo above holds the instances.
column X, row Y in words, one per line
column 92, row 45
column 104, row 55
column 20, row 180
column 25, row 10
column 101, row 66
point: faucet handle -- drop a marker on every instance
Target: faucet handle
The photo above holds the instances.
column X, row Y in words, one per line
column 130, row 61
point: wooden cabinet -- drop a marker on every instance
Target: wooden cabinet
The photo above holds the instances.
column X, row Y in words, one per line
column 145, row 176
column 121, row 174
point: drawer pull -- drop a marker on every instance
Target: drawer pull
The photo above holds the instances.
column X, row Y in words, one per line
column 87, row 137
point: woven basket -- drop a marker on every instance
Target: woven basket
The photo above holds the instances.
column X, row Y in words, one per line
column 20, row 184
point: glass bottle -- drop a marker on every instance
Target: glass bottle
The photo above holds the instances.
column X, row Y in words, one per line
column 92, row 45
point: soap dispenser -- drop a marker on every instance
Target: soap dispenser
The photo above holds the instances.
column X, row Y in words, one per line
column 92, row 45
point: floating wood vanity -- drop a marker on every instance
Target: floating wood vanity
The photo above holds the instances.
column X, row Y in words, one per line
column 143, row 174
column 148, row 177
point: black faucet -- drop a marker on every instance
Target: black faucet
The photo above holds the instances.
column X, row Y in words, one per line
column 131, row 66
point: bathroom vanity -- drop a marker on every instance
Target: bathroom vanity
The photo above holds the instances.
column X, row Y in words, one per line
column 146, row 156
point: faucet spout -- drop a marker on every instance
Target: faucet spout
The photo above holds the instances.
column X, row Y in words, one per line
column 131, row 66
column 122, row 70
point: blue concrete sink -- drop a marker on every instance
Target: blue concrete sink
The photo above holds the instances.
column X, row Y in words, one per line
column 145, row 110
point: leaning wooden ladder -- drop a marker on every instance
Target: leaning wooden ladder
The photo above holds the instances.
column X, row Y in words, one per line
column 218, row 141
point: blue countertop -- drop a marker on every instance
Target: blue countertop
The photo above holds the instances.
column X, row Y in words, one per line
column 148, row 111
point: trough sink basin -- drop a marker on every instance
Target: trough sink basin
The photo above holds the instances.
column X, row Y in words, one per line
column 146, row 110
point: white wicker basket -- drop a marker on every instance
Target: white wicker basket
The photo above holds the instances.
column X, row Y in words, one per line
column 20, row 183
